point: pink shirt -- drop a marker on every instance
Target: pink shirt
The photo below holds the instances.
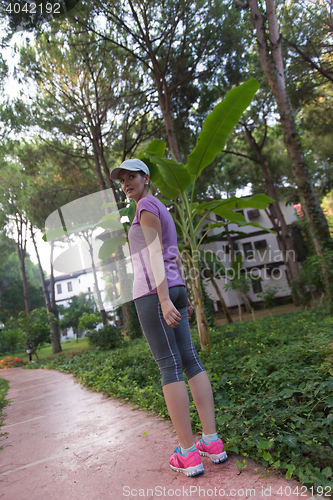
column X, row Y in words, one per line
column 144, row 282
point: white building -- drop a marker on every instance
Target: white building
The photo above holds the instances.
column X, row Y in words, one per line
column 260, row 250
column 68, row 285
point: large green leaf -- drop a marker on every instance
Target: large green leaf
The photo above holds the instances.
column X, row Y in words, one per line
column 170, row 177
column 128, row 211
column 110, row 221
column 54, row 234
column 110, row 246
column 229, row 215
column 155, row 148
column 111, row 224
column 219, row 124
column 260, row 201
column 240, row 224
column 237, row 263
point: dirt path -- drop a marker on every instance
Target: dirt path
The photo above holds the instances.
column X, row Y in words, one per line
column 63, row 441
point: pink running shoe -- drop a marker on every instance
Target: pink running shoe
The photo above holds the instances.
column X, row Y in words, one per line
column 213, row 450
column 190, row 463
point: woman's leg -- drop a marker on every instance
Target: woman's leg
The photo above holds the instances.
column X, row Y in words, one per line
column 204, row 401
column 163, row 345
column 177, row 401
column 196, row 375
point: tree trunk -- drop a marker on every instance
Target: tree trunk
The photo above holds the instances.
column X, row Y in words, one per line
column 200, row 313
column 21, row 250
column 164, row 101
column 288, row 247
column 299, row 292
column 247, row 304
column 219, row 294
column 239, row 308
column 41, row 273
column 21, row 254
column 98, row 293
column 120, row 257
column 232, row 256
column 274, row 72
column 54, row 316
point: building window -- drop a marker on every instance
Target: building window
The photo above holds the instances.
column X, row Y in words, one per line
column 59, row 289
column 248, row 251
column 79, row 280
column 226, row 249
column 219, row 218
column 88, row 288
column 253, row 214
column 69, row 286
column 256, row 285
column 260, row 244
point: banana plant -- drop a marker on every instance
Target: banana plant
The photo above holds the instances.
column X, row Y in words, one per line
column 176, row 182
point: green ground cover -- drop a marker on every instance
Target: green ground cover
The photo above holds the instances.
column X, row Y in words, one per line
column 4, row 384
column 272, row 381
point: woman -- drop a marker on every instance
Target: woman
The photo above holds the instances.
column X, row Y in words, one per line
column 159, row 293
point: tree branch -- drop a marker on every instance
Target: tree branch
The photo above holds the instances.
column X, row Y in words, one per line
column 309, row 61
column 240, row 154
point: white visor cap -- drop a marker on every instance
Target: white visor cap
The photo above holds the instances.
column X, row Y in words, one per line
column 134, row 165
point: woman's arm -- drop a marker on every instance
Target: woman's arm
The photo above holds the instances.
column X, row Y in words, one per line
column 152, row 230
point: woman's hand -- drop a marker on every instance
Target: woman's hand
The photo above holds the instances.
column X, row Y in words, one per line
column 189, row 308
column 171, row 315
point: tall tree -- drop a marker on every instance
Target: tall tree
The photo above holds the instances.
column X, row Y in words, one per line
column 306, row 31
column 16, row 220
column 271, row 57
column 84, row 99
column 49, row 183
column 11, row 288
column 176, row 43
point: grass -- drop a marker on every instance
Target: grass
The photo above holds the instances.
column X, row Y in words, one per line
column 69, row 345
column 221, row 320
column 272, row 381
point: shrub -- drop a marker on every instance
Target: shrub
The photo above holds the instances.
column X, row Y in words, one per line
column 11, row 339
column 107, row 337
column 268, row 296
column 10, row 362
column 133, row 328
column 36, row 327
column 88, row 321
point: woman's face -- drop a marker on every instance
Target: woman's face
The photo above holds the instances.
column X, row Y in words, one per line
column 132, row 183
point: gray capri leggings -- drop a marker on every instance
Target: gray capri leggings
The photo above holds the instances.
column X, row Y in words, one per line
column 172, row 348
